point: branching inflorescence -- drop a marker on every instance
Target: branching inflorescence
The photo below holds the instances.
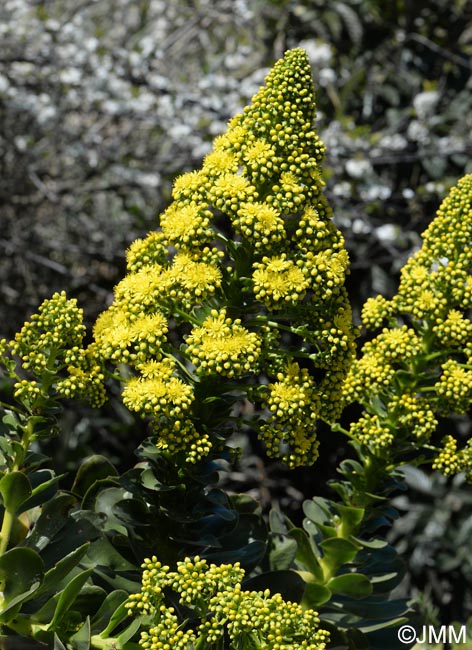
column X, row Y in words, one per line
column 241, row 290
column 218, row 609
column 419, row 368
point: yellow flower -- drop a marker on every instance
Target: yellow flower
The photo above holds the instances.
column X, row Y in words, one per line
column 193, row 281
column 278, row 281
column 187, row 225
column 223, row 346
column 261, row 223
column 158, row 396
column 146, row 252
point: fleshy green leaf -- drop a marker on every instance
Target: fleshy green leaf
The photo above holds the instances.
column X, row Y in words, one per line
column 93, row 469
column 68, row 596
column 351, row 517
column 315, row 595
column 287, row 583
column 119, row 615
column 81, row 639
column 306, row 554
column 111, row 603
column 15, row 488
column 355, row 585
column 336, row 552
column 21, row 574
column 282, row 551
column 53, row 518
column 54, row 576
column 58, row 645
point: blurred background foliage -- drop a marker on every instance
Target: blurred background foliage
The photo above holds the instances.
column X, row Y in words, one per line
column 104, row 102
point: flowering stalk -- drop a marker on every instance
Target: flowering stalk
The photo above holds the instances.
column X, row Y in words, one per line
column 44, row 362
column 246, row 254
column 418, row 368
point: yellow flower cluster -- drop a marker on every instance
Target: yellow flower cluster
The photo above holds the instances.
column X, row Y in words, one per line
column 454, row 388
column 409, row 374
column 158, row 392
column 294, row 408
column 454, row 331
column 247, row 244
column 278, row 281
column 371, row 431
column 452, row 461
column 222, row 346
column 49, row 347
column 214, row 595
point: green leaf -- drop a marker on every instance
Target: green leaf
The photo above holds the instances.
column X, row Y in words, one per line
column 11, row 421
column 132, row 512
column 151, row 482
column 128, row 633
column 53, row 518
column 243, row 503
column 61, row 570
column 287, row 583
column 117, row 580
column 279, row 523
column 282, row 551
column 337, row 552
column 58, row 645
column 355, row 585
column 370, row 610
column 119, row 615
column 21, row 574
column 316, row 510
column 306, row 553
column 351, row 517
column 15, row 488
column 43, row 484
column 103, row 553
column 249, row 555
column 105, row 503
column 81, row 639
column 111, row 603
column 68, row 596
column 315, row 595
column 93, row 469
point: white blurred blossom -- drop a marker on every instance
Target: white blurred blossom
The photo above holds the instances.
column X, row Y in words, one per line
column 358, row 167
column 425, row 103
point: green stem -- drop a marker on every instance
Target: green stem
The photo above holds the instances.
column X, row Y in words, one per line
column 25, row 628
column 28, row 436
column 7, row 525
column 185, row 316
column 9, row 516
column 96, row 641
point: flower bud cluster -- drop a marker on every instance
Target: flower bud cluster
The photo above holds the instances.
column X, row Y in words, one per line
column 49, row 349
column 217, row 607
column 419, row 367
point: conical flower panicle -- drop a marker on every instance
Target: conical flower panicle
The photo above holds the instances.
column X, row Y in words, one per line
column 241, row 289
column 419, row 367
